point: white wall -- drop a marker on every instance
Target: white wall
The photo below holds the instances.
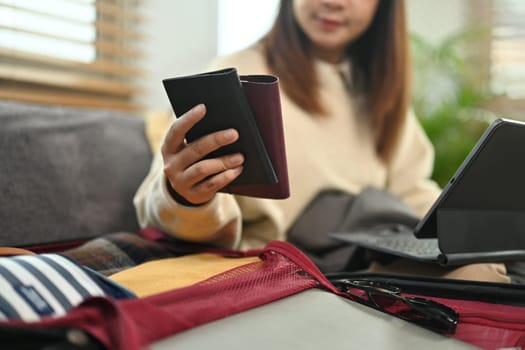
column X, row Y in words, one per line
column 180, row 39
column 245, row 21
column 436, row 19
column 182, row 35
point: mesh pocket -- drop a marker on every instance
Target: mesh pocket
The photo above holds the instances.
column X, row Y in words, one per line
column 238, row 289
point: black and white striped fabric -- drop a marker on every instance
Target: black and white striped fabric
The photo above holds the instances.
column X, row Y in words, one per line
column 36, row 286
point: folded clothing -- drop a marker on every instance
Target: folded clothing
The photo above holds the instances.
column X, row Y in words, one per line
column 161, row 275
column 36, row 286
column 116, row 252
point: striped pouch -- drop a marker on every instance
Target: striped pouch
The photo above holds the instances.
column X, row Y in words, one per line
column 36, row 286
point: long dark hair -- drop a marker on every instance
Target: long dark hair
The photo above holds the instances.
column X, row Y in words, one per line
column 380, row 56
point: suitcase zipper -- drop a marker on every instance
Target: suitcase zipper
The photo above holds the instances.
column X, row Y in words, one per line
column 298, row 257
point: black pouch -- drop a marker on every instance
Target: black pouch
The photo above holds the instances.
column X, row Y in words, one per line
column 24, row 338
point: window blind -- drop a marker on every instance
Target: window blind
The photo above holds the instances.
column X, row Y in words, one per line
column 503, row 52
column 508, row 48
column 71, row 52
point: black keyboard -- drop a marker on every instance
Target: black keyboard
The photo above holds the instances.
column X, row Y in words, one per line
column 394, row 243
column 408, row 244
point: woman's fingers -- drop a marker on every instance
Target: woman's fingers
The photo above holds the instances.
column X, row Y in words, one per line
column 197, row 172
column 184, row 179
column 188, row 154
column 174, row 140
column 208, row 167
column 189, row 173
column 200, row 148
column 205, row 190
column 187, row 165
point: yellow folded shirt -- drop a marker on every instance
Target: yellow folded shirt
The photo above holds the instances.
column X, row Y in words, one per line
column 166, row 274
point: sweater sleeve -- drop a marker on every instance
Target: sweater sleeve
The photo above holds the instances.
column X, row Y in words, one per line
column 411, row 167
column 217, row 222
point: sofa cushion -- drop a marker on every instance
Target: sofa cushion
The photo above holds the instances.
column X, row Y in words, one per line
column 68, row 174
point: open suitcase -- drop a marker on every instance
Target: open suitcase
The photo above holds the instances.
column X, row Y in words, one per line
column 55, row 156
column 487, row 315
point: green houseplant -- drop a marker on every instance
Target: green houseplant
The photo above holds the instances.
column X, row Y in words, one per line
column 448, row 102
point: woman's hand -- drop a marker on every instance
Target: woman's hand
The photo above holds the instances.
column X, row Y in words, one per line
column 193, row 178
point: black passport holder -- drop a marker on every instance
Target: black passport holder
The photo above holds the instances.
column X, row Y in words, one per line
column 250, row 104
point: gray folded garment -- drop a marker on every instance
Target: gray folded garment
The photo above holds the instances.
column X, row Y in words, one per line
column 336, row 211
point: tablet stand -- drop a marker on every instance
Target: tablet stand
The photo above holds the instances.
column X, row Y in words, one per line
column 480, row 235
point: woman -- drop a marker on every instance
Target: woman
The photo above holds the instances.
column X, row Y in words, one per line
column 343, row 67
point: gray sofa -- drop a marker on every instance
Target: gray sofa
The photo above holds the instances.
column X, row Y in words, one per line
column 68, row 174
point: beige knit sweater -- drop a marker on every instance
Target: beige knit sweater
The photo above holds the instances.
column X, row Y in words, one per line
column 334, row 152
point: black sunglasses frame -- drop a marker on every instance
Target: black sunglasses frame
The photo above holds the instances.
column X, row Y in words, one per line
column 426, row 313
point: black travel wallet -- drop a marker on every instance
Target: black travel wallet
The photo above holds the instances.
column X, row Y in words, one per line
column 227, row 106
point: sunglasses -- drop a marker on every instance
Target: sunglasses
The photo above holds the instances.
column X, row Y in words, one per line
column 387, row 298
